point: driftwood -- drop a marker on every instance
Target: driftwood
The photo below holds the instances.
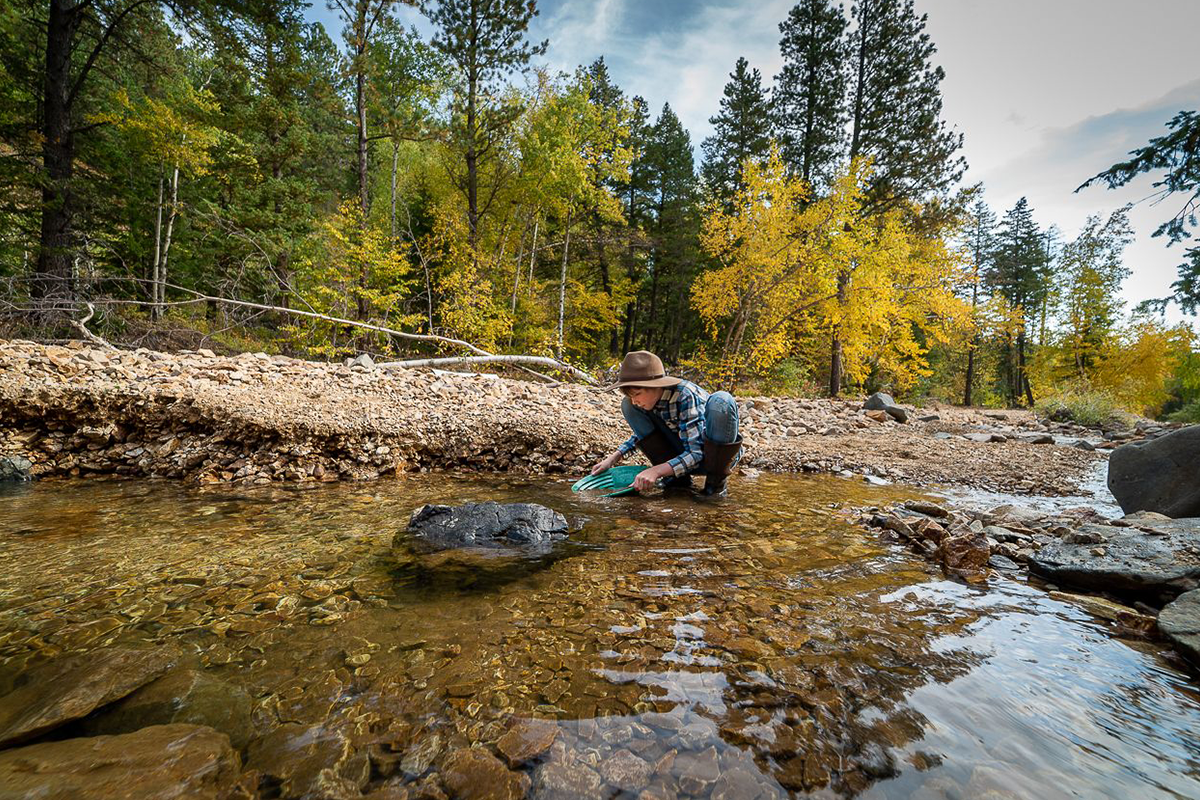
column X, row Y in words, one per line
column 453, row 361
column 481, row 356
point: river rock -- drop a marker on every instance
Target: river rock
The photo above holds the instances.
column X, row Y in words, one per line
column 626, row 771
column 881, row 401
column 311, row 762
column 526, row 739
column 183, row 695
column 559, row 781
column 1179, row 621
column 15, row 468
column 1157, row 565
column 155, row 763
column 71, row 688
column 436, row 527
column 473, row 774
column 965, row 554
column 1158, row 474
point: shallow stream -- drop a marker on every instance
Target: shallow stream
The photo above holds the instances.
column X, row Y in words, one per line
column 760, row 647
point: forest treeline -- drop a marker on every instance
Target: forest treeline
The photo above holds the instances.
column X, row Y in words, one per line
column 820, row 240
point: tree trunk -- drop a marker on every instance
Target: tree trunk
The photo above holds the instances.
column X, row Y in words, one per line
column 835, row 344
column 562, row 286
column 1022, row 373
column 973, row 345
column 52, row 275
column 160, row 285
column 154, row 266
column 856, row 134
column 532, row 256
column 395, row 163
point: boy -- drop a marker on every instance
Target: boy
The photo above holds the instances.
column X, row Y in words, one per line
column 677, row 425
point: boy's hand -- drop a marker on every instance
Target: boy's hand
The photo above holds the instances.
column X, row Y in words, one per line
column 646, row 479
column 607, row 462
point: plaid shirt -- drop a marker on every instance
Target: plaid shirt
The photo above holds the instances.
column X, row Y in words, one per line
column 682, row 408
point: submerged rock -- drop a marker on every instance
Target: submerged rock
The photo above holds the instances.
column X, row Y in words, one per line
column 472, row 774
column 186, row 696
column 1179, row 621
column 163, row 761
column 71, row 688
column 1158, row 563
column 1158, row 474
column 965, row 555
column 526, row 739
column 15, row 468
column 435, row 527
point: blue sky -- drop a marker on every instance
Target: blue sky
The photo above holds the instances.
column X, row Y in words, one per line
column 1046, row 92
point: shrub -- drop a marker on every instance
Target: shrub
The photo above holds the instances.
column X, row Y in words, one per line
column 1090, row 407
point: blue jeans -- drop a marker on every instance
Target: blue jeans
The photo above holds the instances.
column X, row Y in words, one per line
column 720, row 421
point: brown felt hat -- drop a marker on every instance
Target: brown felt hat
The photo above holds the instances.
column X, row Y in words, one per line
column 641, row 368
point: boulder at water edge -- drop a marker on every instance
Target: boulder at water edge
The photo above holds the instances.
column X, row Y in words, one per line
column 15, row 468
column 163, row 761
column 1160, row 474
column 1179, row 621
column 1156, row 563
column 434, row 527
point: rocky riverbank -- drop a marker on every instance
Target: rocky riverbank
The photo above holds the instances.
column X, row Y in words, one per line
column 1140, row 572
column 75, row 411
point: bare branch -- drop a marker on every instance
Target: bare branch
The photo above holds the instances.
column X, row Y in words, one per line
column 445, row 362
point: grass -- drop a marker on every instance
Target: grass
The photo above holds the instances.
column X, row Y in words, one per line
column 1090, row 407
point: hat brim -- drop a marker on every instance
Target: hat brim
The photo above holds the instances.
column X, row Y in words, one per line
column 649, row 383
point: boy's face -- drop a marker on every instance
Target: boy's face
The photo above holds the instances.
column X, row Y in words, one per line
column 644, row 397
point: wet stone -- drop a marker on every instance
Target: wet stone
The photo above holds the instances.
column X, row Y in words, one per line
column 478, row 775
column 626, row 771
column 559, row 781
column 71, row 688
column 162, row 761
column 183, row 695
column 697, row 771
column 526, row 739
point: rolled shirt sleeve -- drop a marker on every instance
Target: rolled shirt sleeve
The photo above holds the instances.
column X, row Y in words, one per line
column 628, row 446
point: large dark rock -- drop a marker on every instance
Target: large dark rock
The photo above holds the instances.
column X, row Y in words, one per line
column 882, row 401
column 1160, row 474
column 1155, row 564
column 1179, row 621
column 71, row 688
column 15, row 468
column 163, row 762
column 485, row 524
column 182, row 695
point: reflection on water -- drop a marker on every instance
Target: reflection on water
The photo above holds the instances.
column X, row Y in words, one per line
column 756, row 648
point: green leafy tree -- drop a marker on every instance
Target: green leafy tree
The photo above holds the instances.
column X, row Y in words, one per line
column 741, row 130
column 980, row 244
column 810, row 89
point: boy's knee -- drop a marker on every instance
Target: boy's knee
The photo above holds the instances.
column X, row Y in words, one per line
column 722, row 402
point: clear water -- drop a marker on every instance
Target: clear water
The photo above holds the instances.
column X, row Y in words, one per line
column 760, row 647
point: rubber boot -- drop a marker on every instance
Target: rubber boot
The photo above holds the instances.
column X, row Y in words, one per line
column 718, row 463
column 659, row 451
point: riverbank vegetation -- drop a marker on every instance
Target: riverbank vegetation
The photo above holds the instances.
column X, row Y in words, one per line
column 164, row 158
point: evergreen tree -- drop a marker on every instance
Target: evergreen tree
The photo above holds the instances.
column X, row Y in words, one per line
column 636, row 198
column 1177, row 155
column 1020, row 274
column 981, row 243
column 673, row 231
column 810, row 91
column 485, row 41
column 896, row 106
column 741, row 130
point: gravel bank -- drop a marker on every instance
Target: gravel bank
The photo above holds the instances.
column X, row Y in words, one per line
column 75, row 410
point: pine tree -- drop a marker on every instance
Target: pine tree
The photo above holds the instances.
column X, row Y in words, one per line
column 485, row 41
column 671, row 171
column 636, row 198
column 981, row 235
column 810, row 91
column 1177, row 156
column 741, row 130
column 896, row 106
column 1020, row 274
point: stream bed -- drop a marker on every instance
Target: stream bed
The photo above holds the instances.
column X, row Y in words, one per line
column 758, row 647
